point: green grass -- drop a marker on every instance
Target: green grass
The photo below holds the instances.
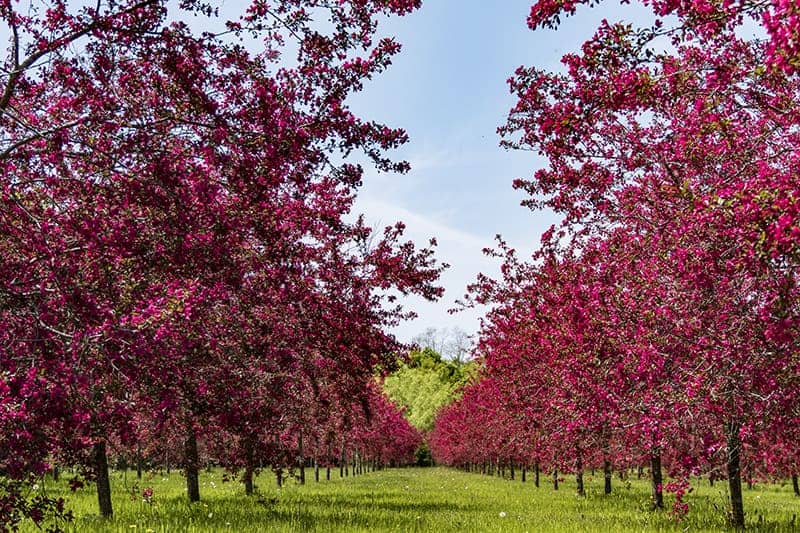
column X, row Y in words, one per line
column 414, row 499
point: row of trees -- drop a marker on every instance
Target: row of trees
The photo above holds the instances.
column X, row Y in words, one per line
column 177, row 258
column 658, row 324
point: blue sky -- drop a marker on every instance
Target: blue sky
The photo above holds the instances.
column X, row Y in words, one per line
column 448, row 89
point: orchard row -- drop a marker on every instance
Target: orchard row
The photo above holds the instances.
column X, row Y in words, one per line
column 658, row 324
column 178, row 267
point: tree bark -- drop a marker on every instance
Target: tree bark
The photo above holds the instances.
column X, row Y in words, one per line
column 192, row 466
column 657, row 479
column 536, row 474
column 511, row 469
column 139, row 460
column 579, row 474
column 248, row 467
column 555, row 479
column 606, row 475
column 316, row 470
column 607, row 469
column 734, row 474
column 301, row 460
column 524, row 473
column 795, row 485
column 103, row 482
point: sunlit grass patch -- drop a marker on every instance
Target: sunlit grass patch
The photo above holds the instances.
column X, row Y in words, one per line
column 414, row 499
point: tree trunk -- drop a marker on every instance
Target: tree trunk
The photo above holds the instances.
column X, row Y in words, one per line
column 103, row 483
column 139, row 460
column 734, row 475
column 301, row 460
column 316, row 470
column 657, row 479
column 511, row 469
column 579, row 474
column 248, row 480
column 248, row 466
column 57, row 474
column 555, row 479
column 279, row 477
column 328, row 463
column 606, row 475
column 192, row 466
column 536, row 474
column 524, row 473
column 166, row 461
column 795, row 485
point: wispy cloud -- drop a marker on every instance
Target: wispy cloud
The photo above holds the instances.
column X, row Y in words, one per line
column 460, row 249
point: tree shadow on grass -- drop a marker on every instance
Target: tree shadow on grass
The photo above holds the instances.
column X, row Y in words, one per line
column 365, row 510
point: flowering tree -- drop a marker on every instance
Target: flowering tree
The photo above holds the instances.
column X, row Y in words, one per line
column 672, row 275
column 167, row 195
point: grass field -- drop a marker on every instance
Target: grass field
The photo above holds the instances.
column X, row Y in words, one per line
column 414, row 499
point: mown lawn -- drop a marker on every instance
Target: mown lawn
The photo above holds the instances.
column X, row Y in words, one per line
column 413, row 499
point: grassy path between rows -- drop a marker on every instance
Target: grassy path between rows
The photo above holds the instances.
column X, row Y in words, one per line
column 413, row 499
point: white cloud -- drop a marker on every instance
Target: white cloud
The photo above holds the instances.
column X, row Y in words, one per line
column 461, row 250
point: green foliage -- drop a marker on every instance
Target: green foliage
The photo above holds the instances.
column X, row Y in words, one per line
column 425, row 384
column 413, row 499
column 423, row 455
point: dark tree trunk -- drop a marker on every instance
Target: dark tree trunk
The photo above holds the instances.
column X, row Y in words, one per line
column 536, row 474
column 57, row 473
column 579, row 474
column 316, row 470
column 734, row 475
column 301, row 460
column 192, row 466
column 524, row 473
column 795, row 485
column 248, row 480
column 166, row 461
column 657, row 479
column 555, row 479
column 606, row 476
column 249, row 451
column 511, row 470
column 279, row 477
column 639, row 472
column 139, row 460
column 103, row 483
